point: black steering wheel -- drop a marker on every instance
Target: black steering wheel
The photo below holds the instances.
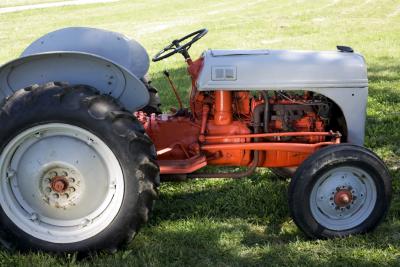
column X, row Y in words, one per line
column 177, row 47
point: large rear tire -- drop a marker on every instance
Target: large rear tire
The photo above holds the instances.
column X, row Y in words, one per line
column 77, row 172
column 340, row 190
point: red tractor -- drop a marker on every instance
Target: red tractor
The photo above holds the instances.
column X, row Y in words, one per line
column 84, row 144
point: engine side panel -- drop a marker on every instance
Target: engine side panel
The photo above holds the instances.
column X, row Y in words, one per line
column 281, row 70
column 342, row 77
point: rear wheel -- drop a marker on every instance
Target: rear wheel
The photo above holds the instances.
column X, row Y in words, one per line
column 338, row 191
column 77, row 171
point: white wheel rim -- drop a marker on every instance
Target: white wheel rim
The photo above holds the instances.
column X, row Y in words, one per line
column 91, row 190
column 343, row 198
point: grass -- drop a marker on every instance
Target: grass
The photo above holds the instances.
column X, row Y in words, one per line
column 241, row 222
column 12, row 3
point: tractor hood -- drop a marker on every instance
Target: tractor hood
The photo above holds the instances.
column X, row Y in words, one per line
column 281, row 69
column 112, row 46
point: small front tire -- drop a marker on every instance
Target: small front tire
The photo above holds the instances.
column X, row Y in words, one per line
column 340, row 190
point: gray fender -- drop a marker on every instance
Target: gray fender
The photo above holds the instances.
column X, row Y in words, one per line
column 75, row 68
column 353, row 103
column 110, row 45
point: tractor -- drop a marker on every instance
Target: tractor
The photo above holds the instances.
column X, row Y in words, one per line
column 84, row 144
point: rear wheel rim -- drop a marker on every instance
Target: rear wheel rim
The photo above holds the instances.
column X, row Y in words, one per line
column 343, row 198
column 60, row 183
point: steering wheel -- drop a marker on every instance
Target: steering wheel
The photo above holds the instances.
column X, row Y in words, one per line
column 177, row 47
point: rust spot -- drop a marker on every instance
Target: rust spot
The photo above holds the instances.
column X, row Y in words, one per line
column 59, row 183
column 343, row 198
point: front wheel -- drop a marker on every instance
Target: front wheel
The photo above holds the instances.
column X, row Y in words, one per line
column 338, row 191
column 77, row 171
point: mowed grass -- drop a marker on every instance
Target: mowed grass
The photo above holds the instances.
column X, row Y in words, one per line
column 12, row 3
column 241, row 222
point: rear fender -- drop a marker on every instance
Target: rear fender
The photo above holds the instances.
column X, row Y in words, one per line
column 74, row 68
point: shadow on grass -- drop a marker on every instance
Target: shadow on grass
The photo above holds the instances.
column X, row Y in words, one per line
column 212, row 226
column 256, row 200
column 384, row 69
column 246, row 223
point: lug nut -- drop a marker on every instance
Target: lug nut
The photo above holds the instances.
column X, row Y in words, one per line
column 34, row 217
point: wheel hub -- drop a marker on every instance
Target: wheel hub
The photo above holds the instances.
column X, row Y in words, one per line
column 343, row 198
column 61, row 187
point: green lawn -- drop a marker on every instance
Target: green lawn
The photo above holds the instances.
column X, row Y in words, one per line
column 241, row 222
column 11, row 3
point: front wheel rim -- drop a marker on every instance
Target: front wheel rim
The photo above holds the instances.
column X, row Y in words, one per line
column 343, row 198
column 60, row 183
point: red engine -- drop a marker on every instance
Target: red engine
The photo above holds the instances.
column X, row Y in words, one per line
column 288, row 113
column 225, row 113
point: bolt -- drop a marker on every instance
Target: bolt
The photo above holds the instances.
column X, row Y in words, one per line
column 11, row 173
column 90, row 141
column 34, row 217
column 71, row 180
column 348, row 207
column 72, row 189
column 53, row 173
column 113, row 186
column 337, row 188
column 55, row 195
column 38, row 135
column 85, row 222
column 48, row 189
column 64, row 173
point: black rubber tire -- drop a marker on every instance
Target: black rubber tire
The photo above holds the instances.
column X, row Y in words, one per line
column 324, row 160
column 84, row 107
column 154, row 105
